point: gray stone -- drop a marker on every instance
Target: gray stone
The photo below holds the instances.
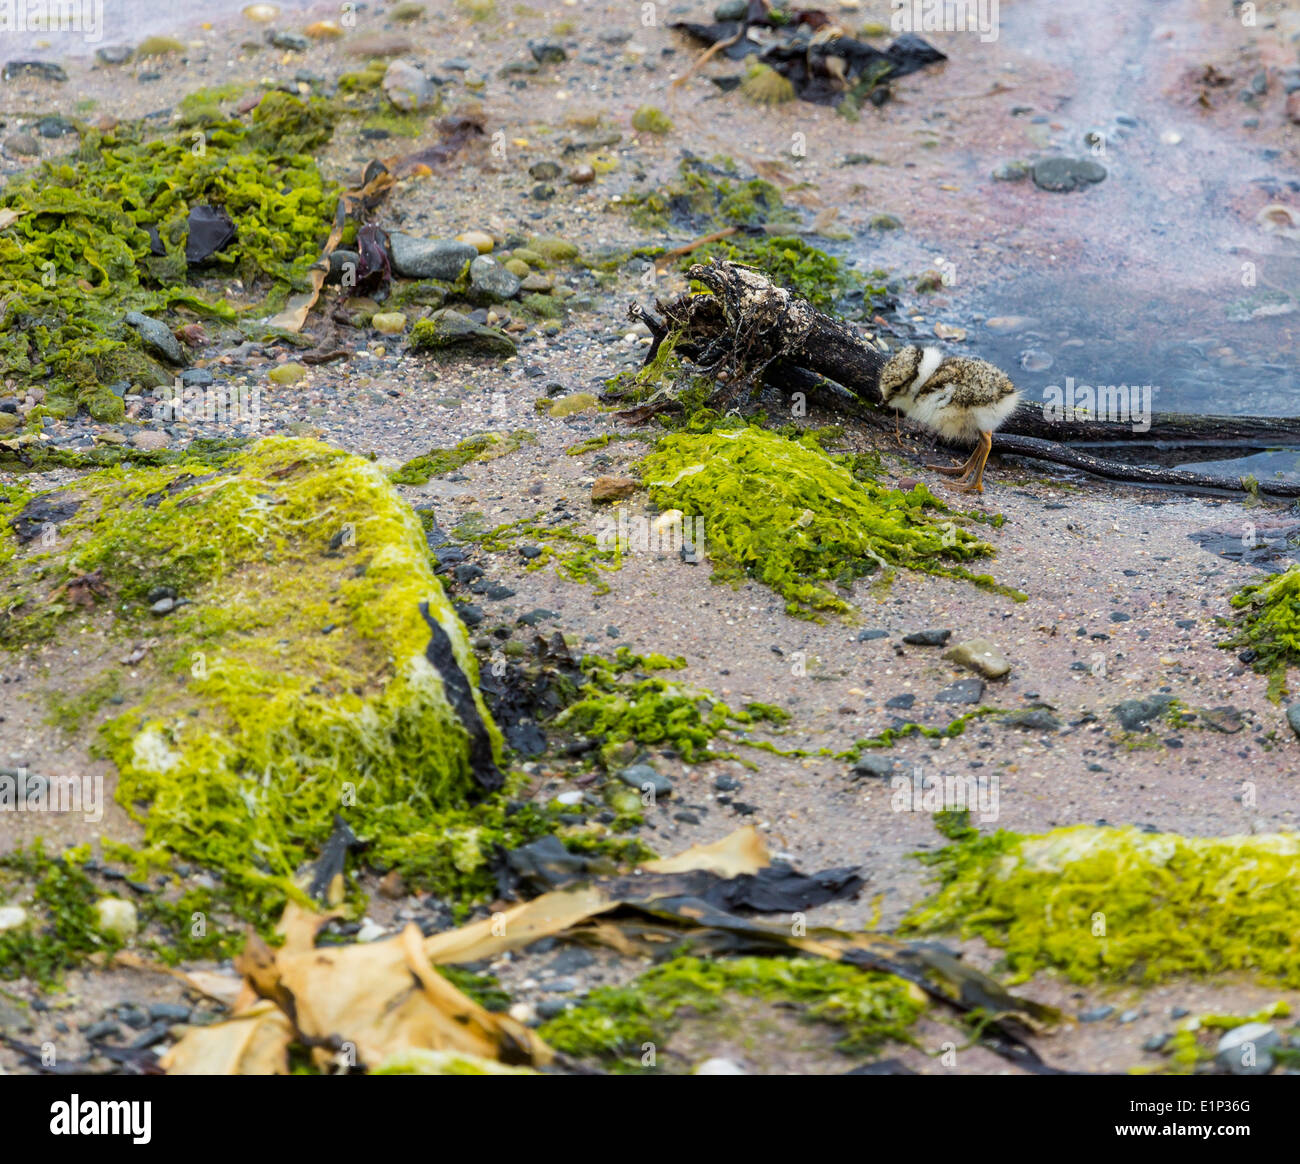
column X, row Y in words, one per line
column 490, row 282
column 1011, row 172
column 1035, row 719
column 547, row 52
column 343, row 262
column 450, row 328
column 43, row 70
column 1135, row 714
column 963, row 691
column 1293, row 717
column 114, row 54
column 1247, row 1049
column 429, row 258
column 639, row 775
column 1061, row 175
column 196, row 378
column 881, row 767
column 289, row 41
column 1096, row 1014
column 22, row 145
column 928, row 638
column 408, row 88
column 157, row 337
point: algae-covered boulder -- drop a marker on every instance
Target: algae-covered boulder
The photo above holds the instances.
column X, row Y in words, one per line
column 1120, row 904
column 307, row 662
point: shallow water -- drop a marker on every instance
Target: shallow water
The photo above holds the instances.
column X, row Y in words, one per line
column 1153, row 283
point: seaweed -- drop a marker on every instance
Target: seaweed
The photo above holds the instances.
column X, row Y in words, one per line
column 1268, row 627
column 103, row 233
column 616, row 1023
column 780, row 509
column 1122, row 905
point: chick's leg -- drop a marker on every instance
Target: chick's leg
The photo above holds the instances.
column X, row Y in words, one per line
column 978, row 459
column 959, row 471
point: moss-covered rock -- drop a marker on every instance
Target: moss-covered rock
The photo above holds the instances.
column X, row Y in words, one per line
column 1118, row 904
column 308, row 664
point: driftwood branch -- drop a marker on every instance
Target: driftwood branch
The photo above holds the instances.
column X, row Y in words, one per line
column 750, row 331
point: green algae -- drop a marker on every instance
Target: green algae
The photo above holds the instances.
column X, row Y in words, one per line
column 614, row 1024
column 43, row 458
column 793, row 262
column 295, row 684
column 80, row 256
column 656, row 712
column 708, row 194
column 575, row 556
column 61, row 931
column 807, row 524
column 1195, row 1041
column 1121, row 905
column 650, row 119
column 481, row 447
column 1268, row 625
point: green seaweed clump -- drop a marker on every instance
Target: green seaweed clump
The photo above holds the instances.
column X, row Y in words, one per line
column 1196, row 1039
column 614, row 1023
column 1269, row 626
column 61, row 930
column 78, row 254
column 782, row 510
column 297, row 677
column 655, row 712
column 1122, row 905
column 485, row 446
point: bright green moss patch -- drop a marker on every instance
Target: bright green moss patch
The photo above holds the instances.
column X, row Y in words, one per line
column 781, row 510
column 482, row 447
column 576, row 557
column 793, row 262
column 298, row 677
column 615, row 1024
column 81, row 255
column 61, row 930
column 1268, row 623
column 655, row 712
column 1121, row 905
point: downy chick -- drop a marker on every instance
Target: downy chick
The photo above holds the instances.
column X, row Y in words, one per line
column 960, row 398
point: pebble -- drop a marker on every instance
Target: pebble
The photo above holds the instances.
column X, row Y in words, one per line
column 114, row 54
column 491, row 282
column 612, row 488
column 116, row 917
column 12, row 916
column 22, row 145
column 928, row 638
column 981, row 656
column 1096, row 1014
column 288, row 373
column 1247, row 1049
column 963, row 691
column 289, row 41
column 479, row 240
column 1011, row 172
column 1033, row 360
column 148, row 438
column 1293, row 717
column 408, row 88
column 638, row 775
column 881, row 767
column 388, row 322
column 582, row 175
column 1061, row 175
column 429, row 258
column 1134, row 714
column 547, row 52
column 156, row 336
column 42, row 70
column 719, row 1067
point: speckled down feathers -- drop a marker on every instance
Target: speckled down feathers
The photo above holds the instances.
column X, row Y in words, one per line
column 955, row 396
